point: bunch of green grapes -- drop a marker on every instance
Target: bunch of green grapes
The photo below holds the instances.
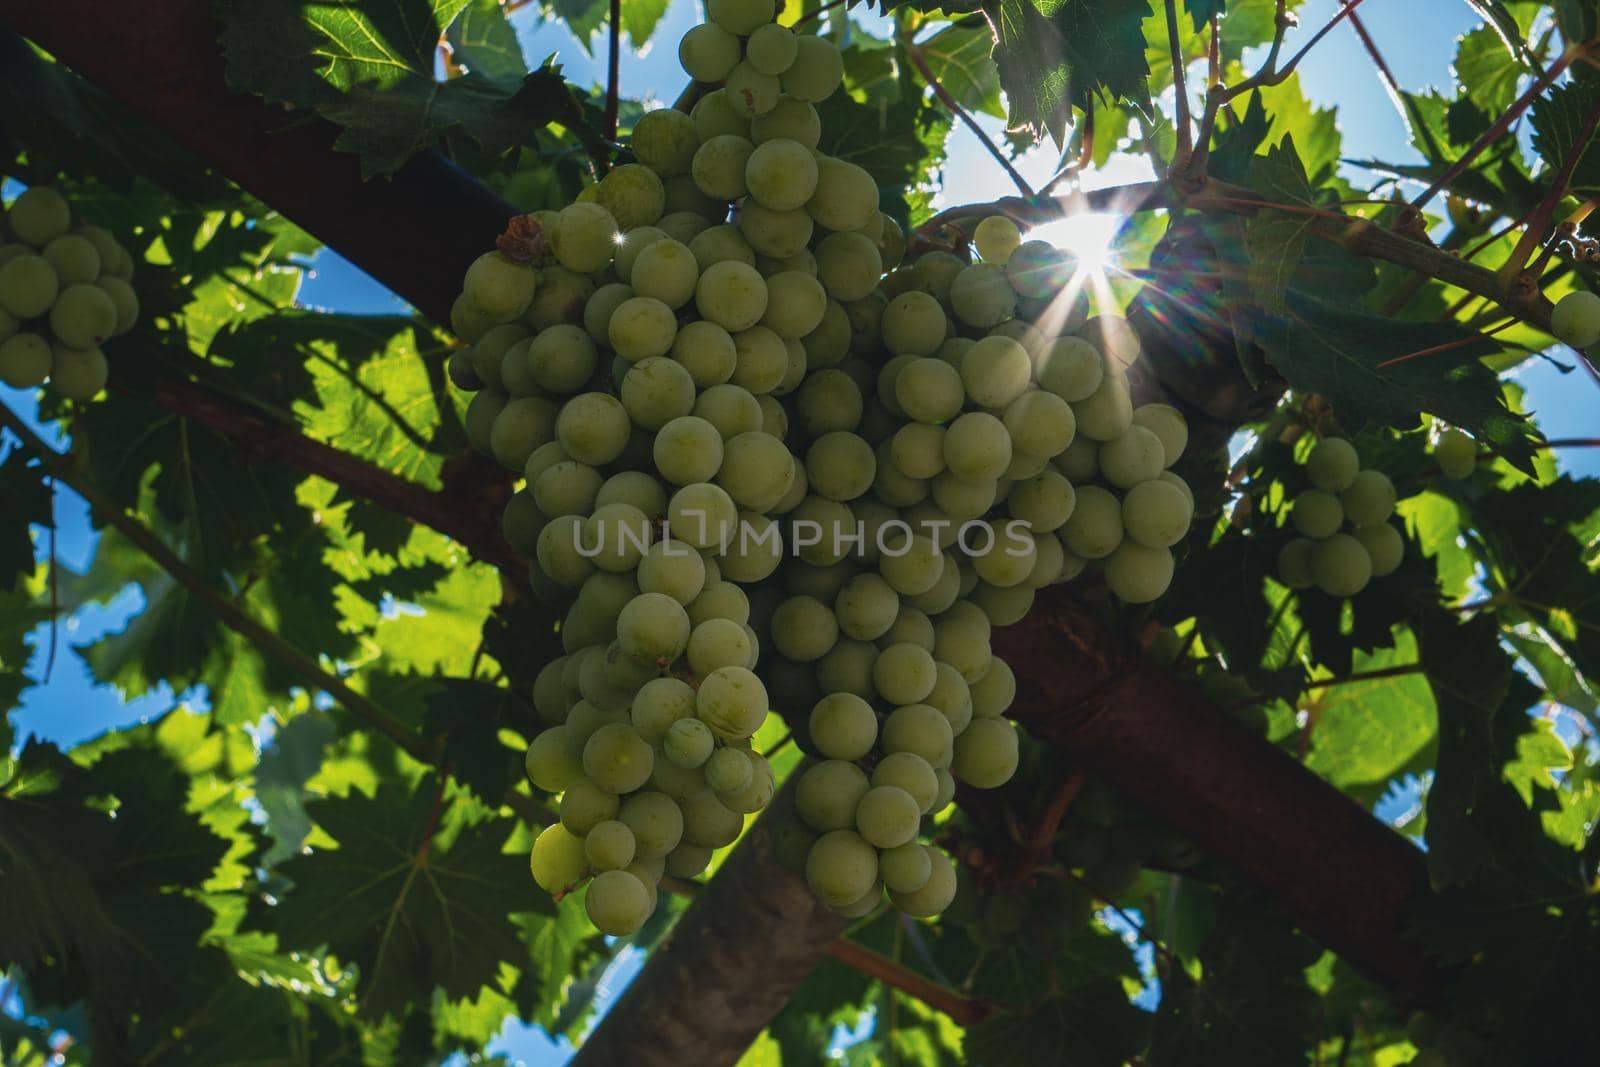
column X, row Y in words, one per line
column 760, row 473
column 1345, row 536
column 63, row 293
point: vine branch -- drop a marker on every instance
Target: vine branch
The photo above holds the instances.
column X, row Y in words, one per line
column 921, row 63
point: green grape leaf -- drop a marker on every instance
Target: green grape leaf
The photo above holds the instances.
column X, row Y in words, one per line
column 483, row 42
column 962, row 61
column 1366, row 731
column 1094, row 1020
column 1488, row 75
column 412, row 912
column 471, row 716
column 1275, row 241
column 1203, row 11
column 1558, row 117
column 28, row 502
column 640, row 18
column 900, row 145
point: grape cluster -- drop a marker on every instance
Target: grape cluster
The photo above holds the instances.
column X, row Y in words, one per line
column 63, row 293
column 1342, row 497
column 760, row 472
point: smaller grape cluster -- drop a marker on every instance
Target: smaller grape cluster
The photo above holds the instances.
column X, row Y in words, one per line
column 1343, row 519
column 63, row 293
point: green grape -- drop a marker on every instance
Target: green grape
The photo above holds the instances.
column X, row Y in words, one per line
column 655, row 626
column 688, row 449
column 846, row 196
column 887, row 817
column 779, row 234
column 952, row 695
column 609, row 846
column 616, row 537
column 557, row 551
column 920, row 730
column 1108, row 413
column 566, row 488
column 74, row 259
column 633, row 243
column 867, row 607
column 977, row 447
column 635, row 488
column 708, row 822
column 1156, row 514
column 741, row 17
column 771, row 49
column 584, row 805
column 677, row 782
column 1457, row 455
column 656, row 391
column 730, row 409
column 501, row 288
column 1333, row 465
column 685, row 224
column 986, row 753
column 665, row 140
column 666, row 270
column 790, row 119
column 756, row 470
column 1004, row 558
column 731, row 294
column 1112, row 335
column 981, row 296
column 720, row 600
column 458, row 368
column 911, row 565
column 718, row 643
column 1134, row 457
column 911, row 773
column 1341, row 565
column 715, row 116
column 521, row 426
column 1138, row 574
column 584, row 237
column 106, row 247
column 703, row 515
column 550, row 763
column 617, row 759
column 39, row 215
column 28, row 286
column 816, row 72
column 707, row 52
column 560, row 297
column 913, row 324
column 658, row 704
column 719, row 166
column 642, row 327
column 961, row 639
column 866, row 319
column 617, row 903
column 841, row 868
column 721, row 243
column 760, row 359
column 24, row 361
column 557, row 859
column 1041, row 426
column 78, row 373
column 1370, row 499
column 482, row 412
column 936, row 893
column 781, row 175
column 1169, row 426
column 843, row 726
column 1005, row 606
column 592, row 427
column 840, row 466
column 804, row 629
column 562, row 358
column 963, row 498
column 888, row 378
column 993, row 693
column 1317, row 514
column 929, row 391
column 655, row 822
column 706, row 351
column 733, row 702
column 996, row 238
column 905, row 868
column 468, row 320
column 1575, row 320
column 848, row 265
column 917, row 450
column 1294, row 563
column 1038, row 270
column 757, row 793
column 490, row 351
column 1080, row 463
column 796, row 304
column 1384, row 545
column 847, row 669
column 688, row 861
column 995, row 371
column 1025, row 333
column 688, row 743
column 633, row 194
column 1071, row 368
column 728, row 771
column 827, row 794
column 1045, row 502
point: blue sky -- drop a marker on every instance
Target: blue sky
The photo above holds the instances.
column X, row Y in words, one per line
column 1418, row 45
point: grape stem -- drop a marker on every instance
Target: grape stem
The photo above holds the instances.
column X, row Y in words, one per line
column 1552, row 199
column 920, row 62
column 1180, row 87
column 613, row 72
column 963, row 1010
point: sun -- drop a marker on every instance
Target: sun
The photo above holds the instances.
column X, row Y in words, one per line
column 1088, row 236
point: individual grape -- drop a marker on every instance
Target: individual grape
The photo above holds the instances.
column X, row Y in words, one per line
column 489, row 353
column 584, row 805
column 633, row 194
column 917, row 450
column 550, row 763
column 728, row 770
column 733, row 702
column 1007, row 606
column 719, row 166
column 584, row 237
column 501, row 288
column 39, row 215
column 479, row 420
column 566, row 488
column 1112, row 335
column 1108, row 412
column 720, row 600
column 1341, row 566
column 688, row 449
column 912, row 565
column 846, row 197
column 952, row 695
column 816, row 72
column 1384, row 545
column 771, row 49
column 558, row 554
column 706, row 351
column 963, row 498
column 617, row 903
column 609, row 846
column 756, row 470
column 1457, row 454
column 1080, row 463
column 557, row 859
column 1045, row 502
column 848, row 265
column 986, row 753
column 562, row 358
column 685, row 224
column 1134, row 457
column 665, row 140
column 741, row 17
column 656, row 823
column 905, row 868
column 840, row 466
column 887, row 817
column 994, row 693
column 977, row 447
column 25, row 361
column 28, row 286
column 980, row 296
column 708, row 52
column 1041, row 426
column 995, row 371
column 1156, row 514
column 1370, row 498
column 760, row 359
column 913, row 324
column 616, row 537
column 827, row 794
column 632, row 245
column 936, row 893
column 74, row 259
column 617, row 759
column 688, row 861
column 781, row 174
column 658, row 704
column 656, row 391
column 642, row 327
column 920, row 730
column 592, row 427
column 634, row 488
column 804, row 629
column 665, row 270
column 1005, row 560
column 843, row 726
column 1138, row 574
column 1038, row 270
column 911, row 773
column 1294, row 563
column 560, row 296
column 867, row 607
column 654, row 626
column 796, row 303
column 1094, row 530
column 1317, row 514
column 996, row 238
column 458, row 368
column 790, row 119
column 865, row 318
column 703, row 515
column 778, row 234
column 521, row 426
column 1576, row 319
column 688, row 743
column 731, row 294
column 1333, row 465
column 718, row 643
column 708, row 822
